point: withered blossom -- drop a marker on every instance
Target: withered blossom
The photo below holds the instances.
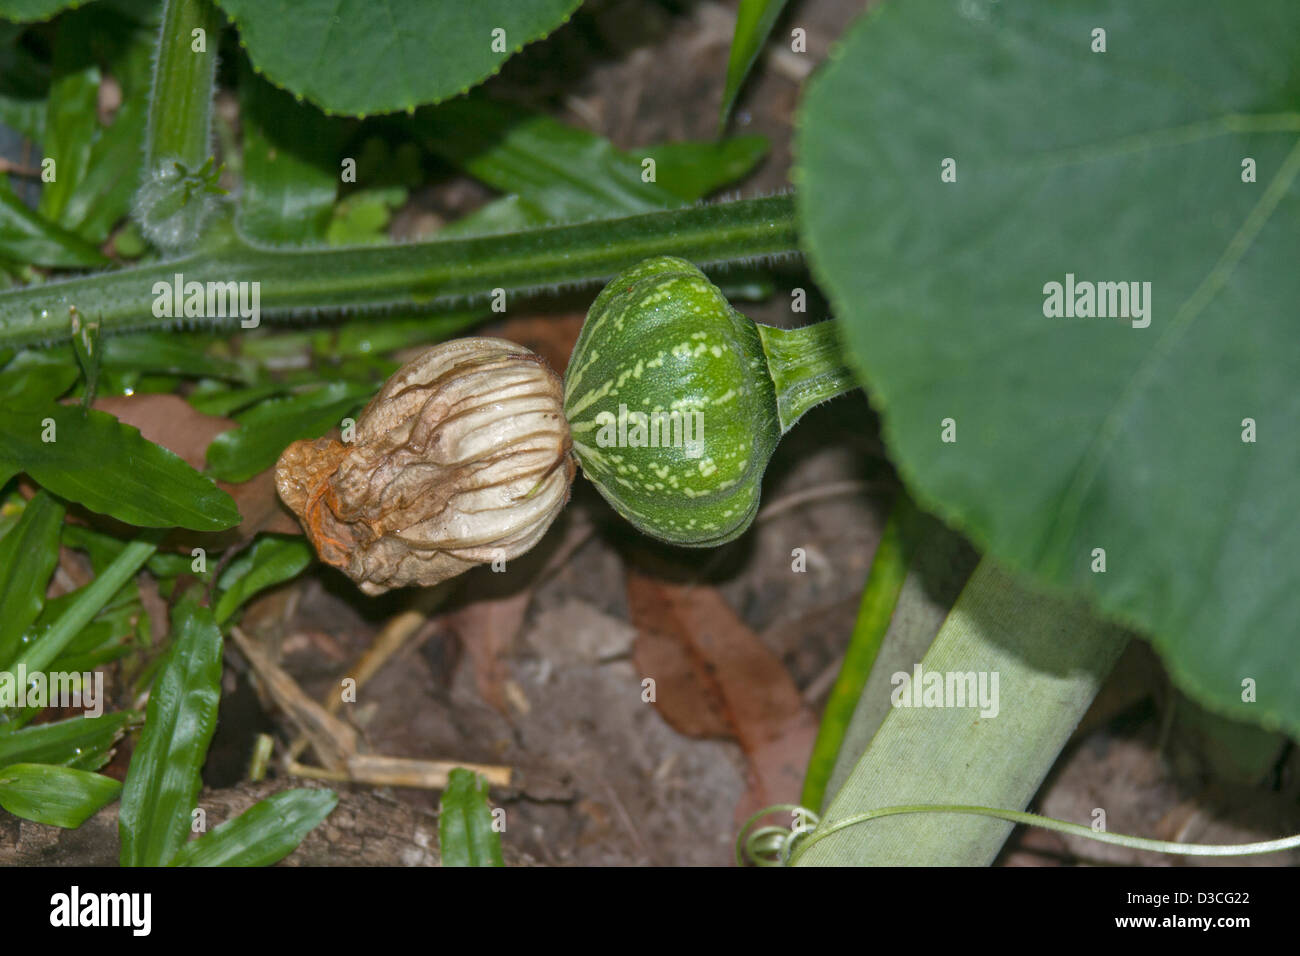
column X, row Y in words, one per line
column 463, row 458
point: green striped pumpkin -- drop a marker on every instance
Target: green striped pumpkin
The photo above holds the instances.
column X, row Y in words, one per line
column 662, row 339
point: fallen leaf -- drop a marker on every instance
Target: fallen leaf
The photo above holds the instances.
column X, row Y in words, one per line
column 550, row 336
column 487, row 628
column 727, row 675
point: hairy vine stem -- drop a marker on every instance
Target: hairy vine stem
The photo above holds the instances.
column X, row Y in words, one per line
column 177, row 193
column 327, row 281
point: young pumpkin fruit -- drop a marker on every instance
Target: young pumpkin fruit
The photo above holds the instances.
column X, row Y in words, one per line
column 676, row 401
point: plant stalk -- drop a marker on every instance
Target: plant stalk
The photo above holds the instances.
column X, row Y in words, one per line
column 439, row 274
column 1048, row 656
column 178, row 191
column 808, row 367
column 180, row 110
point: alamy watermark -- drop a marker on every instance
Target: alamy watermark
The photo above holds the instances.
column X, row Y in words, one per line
column 1101, row 300
column 68, row 689
column 923, row 688
column 179, row 299
column 658, row 429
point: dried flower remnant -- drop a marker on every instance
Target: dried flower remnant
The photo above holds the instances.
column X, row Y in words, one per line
column 464, row 457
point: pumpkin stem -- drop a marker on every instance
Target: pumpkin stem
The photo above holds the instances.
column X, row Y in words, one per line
column 807, row 366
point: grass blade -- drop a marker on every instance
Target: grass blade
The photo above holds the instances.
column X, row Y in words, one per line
column 265, row 833
column 465, row 834
column 879, row 598
column 90, row 601
column 163, row 780
column 754, row 22
column 28, row 554
column 79, row 742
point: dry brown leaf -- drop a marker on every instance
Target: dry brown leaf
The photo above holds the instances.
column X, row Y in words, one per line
column 686, row 694
column 550, row 336
column 737, row 677
column 486, row 629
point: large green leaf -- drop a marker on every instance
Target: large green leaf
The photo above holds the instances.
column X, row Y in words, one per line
column 94, row 459
column 163, row 780
column 349, row 56
column 1075, row 434
column 58, row 796
column 263, row 834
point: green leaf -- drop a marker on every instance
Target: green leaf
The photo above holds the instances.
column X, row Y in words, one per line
column 100, row 548
column 24, row 85
column 23, row 11
column 567, row 172
column 386, row 335
column 71, row 119
column 110, row 468
column 223, row 400
column 36, row 376
column 85, row 743
column 28, row 237
column 465, row 834
column 570, row 174
column 265, row 833
column 111, row 627
column 754, row 21
column 171, row 354
column 163, row 780
column 102, row 197
column 48, row 373
column 691, row 170
column 268, row 428
column 271, row 561
column 86, row 347
column 507, row 214
column 28, row 554
column 291, row 164
column 1075, row 434
column 57, row 796
column 363, row 216
column 345, row 58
